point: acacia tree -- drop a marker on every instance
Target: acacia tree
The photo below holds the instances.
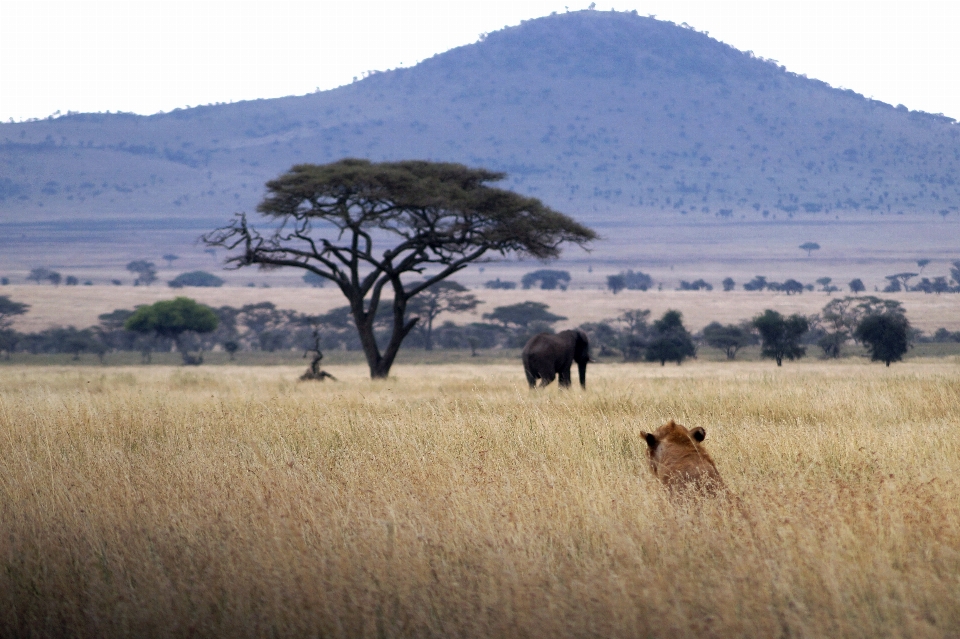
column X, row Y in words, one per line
column 729, row 339
column 443, row 297
column 548, row 279
column 809, row 247
column 885, row 335
column 145, row 271
column 671, row 340
column 9, row 308
column 523, row 315
column 431, row 216
column 616, row 283
column 171, row 319
column 780, row 336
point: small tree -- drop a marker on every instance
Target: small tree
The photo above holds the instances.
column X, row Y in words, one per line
column 171, row 319
column 922, row 264
column 635, row 335
column 792, row 286
column 327, row 219
column 898, row 282
column 670, row 340
column 856, row 285
column 71, row 340
column 549, row 279
column 758, row 283
column 810, row 247
column 637, row 281
column 523, row 315
column 9, row 309
column 780, row 337
column 940, row 285
column 728, row 284
column 499, row 284
column 616, row 283
column 40, row 275
column 231, row 347
column 832, row 343
column 885, row 335
column 170, row 259
column 730, row 338
column 697, row 285
column 145, row 271
column 955, row 273
column 443, row 297
column 195, row 278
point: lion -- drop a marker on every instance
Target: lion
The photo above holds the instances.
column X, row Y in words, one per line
column 679, row 459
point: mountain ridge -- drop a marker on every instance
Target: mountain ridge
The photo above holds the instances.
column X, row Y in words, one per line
column 617, row 119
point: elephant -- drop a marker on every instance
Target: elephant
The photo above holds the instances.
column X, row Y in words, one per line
column 547, row 355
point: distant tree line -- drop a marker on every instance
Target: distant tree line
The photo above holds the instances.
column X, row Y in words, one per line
column 879, row 325
column 145, row 272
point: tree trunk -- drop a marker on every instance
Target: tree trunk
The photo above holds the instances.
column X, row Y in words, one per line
column 380, row 363
column 428, row 336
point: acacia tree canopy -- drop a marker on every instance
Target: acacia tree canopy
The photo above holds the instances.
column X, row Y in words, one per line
column 885, row 335
column 429, row 216
column 780, row 336
column 9, row 308
column 671, row 340
column 171, row 319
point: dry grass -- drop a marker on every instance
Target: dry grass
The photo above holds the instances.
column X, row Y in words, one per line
column 451, row 501
column 80, row 306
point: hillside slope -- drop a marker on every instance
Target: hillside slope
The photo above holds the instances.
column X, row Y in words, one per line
column 617, row 119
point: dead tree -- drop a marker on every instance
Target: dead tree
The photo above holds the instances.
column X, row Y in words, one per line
column 313, row 371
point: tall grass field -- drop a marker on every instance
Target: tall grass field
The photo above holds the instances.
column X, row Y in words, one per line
column 451, row 501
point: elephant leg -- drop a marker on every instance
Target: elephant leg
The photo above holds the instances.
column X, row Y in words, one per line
column 546, row 378
column 531, row 377
column 565, row 378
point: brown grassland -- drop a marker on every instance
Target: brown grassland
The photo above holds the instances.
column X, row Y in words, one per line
column 451, row 501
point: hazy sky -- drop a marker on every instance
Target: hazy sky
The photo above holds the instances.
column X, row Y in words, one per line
column 87, row 55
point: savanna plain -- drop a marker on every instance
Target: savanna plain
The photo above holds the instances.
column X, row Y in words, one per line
column 449, row 500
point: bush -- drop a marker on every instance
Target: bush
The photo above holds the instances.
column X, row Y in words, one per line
column 195, row 278
column 699, row 285
column 549, row 279
column 637, row 281
column 500, row 284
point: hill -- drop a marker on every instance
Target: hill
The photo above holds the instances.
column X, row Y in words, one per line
column 620, row 120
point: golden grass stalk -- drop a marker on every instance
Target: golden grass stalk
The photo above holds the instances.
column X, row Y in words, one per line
column 451, row 501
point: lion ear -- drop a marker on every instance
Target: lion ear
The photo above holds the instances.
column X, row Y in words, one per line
column 699, row 434
column 651, row 440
